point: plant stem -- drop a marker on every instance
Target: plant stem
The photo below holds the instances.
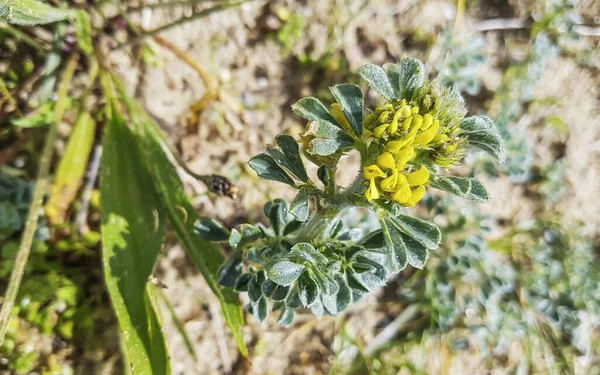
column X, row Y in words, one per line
column 181, row 21
column 11, row 100
column 169, row 4
column 22, row 37
column 38, row 197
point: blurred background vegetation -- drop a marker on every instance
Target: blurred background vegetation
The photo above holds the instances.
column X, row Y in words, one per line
column 515, row 285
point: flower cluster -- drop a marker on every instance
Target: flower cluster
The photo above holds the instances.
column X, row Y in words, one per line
column 404, row 130
column 313, row 255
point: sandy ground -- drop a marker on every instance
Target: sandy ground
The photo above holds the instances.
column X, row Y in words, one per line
column 257, row 83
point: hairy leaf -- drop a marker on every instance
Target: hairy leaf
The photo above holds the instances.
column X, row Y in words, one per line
column 482, row 134
column 285, row 272
column 267, row 168
column 413, row 76
column 350, row 99
column 312, row 109
column 377, row 79
column 211, row 230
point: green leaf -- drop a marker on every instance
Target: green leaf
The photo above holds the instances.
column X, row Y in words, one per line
column 481, row 133
column 83, row 32
column 277, row 215
column 289, row 146
column 230, row 270
column 133, row 224
column 340, row 301
column 254, row 287
column 211, row 230
column 393, row 241
column 71, row 169
column 247, row 235
column 378, row 80
column 466, row 187
column 205, row 255
column 328, row 140
column 312, row 109
column 308, row 289
column 412, row 76
column 267, row 168
column 285, row 272
column 374, row 241
column 287, row 317
column 351, row 101
column 299, row 207
column 308, row 253
column 425, row 232
column 416, row 253
column 394, row 76
column 41, row 117
column 478, row 191
column 326, row 283
column 261, row 309
column 32, row 12
column 273, row 290
column 241, row 284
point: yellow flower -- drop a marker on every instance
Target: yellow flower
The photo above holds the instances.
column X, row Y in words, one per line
column 373, row 171
column 415, row 196
column 403, row 156
column 425, row 137
column 389, row 184
column 386, row 161
column 372, row 192
column 403, row 192
column 420, row 177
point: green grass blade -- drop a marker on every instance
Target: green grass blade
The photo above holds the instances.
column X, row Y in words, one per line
column 32, row 12
column 180, row 328
column 71, row 169
column 206, row 255
column 133, row 226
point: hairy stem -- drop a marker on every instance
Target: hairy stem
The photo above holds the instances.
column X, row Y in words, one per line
column 38, row 197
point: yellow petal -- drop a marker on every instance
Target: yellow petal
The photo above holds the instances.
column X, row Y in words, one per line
column 366, row 132
column 406, row 123
column 395, row 146
column 427, row 122
column 403, row 192
column 425, row 137
column 404, row 156
column 389, row 107
column 419, row 177
column 394, row 124
column 440, row 138
column 414, row 110
column 406, row 111
column 338, row 114
column 383, row 117
column 416, row 122
column 378, row 132
column 372, row 192
column 415, row 196
column 369, row 120
column 373, row 171
column 386, row 161
column 389, row 184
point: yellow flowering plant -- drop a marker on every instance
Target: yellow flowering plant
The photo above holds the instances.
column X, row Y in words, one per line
column 314, row 254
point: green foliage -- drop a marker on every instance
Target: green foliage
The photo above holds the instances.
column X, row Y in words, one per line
column 32, row 12
column 309, row 256
column 133, row 224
